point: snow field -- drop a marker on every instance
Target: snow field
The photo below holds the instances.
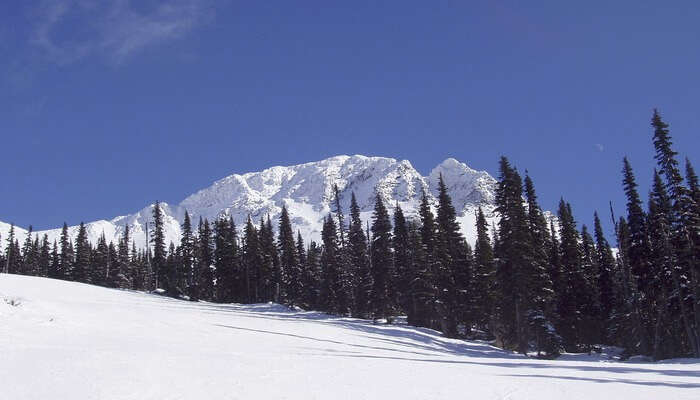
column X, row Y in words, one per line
column 66, row 340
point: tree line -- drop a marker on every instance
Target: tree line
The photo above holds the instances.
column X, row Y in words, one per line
column 530, row 283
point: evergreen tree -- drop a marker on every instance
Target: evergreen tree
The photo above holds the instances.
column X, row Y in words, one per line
column 289, row 261
column 307, row 283
column 29, row 263
column 345, row 284
column 451, row 263
column 12, row 253
column 99, row 273
column 555, row 272
column 542, row 314
column 268, row 250
column 606, row 273
column 272, row 273
column 122, row 274
column 680, row 219
column 666, row 298
column 328, row 298
column 638, row 258
column 625, row 322
column 188, row 251
column 312, row 276
column 514, row 262
column 256, row 280
column 44, row 257
column 204, row 262
column 172, row 263
column 576, row 323
column 158, row 262
column 55, row 265
column 484, row 272
column 339, row 215
column 399, row 292
column 382, row 267
column 590, row 269
column 66, row 264
column 140, row 272
column 423, row 286
column 428, row 228
column 359, row 262
column 225, row 259
column 81, row 268
column 113, row 264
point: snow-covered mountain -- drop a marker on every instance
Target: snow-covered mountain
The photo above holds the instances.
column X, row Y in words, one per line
column 307, row 191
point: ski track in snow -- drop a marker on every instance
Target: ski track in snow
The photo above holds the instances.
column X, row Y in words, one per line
column 68, row 340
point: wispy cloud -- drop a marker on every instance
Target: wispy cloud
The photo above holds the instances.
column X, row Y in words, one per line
column 66, row 31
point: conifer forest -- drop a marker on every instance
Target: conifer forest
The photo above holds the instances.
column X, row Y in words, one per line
column 535, row 282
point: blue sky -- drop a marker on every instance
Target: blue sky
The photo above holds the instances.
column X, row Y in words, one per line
column 107, row 106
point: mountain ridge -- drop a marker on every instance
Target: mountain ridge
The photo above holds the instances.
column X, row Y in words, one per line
column 307, row 191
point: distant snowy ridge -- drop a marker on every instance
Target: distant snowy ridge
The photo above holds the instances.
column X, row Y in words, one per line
column 307, row 191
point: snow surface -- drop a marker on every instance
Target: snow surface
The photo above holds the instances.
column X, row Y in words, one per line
column 67, row 340
column 307, row 191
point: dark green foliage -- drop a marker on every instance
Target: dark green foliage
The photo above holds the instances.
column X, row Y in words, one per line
column 204, row 274
column 524, row 304
column 638, row 257
column 270, row 273
column 100, row 263
column 606, row 273
column 665, row 296
column 13, row 256
column 484, row 274
column 590, row 309
column 44, row 257
column 55, row 265
column 330, row 260
column 186, row 278
column 312, row 277
column 451, row 267
column 121, row 276
column 514, row 262
column 226, row 263
column 423, row 286
column 289, row 261
column 382, row 262
column 30, row 255
column 542, row 313
column 81, row 266
column 172, row 264
column 255, row 281
column 682, row 219
column 403, row 263
column 158, row 261
column 66, row 251
column 359, row 262
column 577, row 299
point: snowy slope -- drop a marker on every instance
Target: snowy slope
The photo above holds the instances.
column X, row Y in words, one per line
column 307, row 191
column 65, row 340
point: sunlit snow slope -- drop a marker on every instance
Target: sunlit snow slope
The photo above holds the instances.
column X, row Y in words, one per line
column 65, row 340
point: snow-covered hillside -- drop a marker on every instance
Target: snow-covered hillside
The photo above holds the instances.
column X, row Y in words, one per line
column 307, row 191
column 65, row 340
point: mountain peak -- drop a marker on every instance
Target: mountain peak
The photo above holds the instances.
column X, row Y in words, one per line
column 307, row 192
